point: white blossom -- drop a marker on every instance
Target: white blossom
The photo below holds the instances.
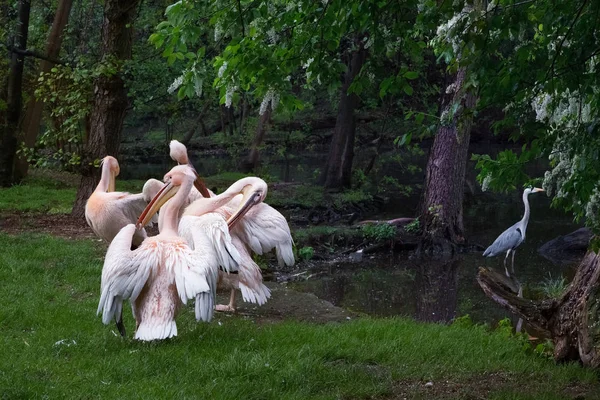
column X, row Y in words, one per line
column 218, row 32
column 175, row 85
column 229, row 94
column 485, row 185
column 272, row 98
column 273, row 36
column 222, row 69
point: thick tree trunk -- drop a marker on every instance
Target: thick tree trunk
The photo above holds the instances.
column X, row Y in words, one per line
column 338, row 171
column 8, row 136
column 33, row 116
column 572, row 321
column 110, row 98
column 252, row 161
column 441, row 207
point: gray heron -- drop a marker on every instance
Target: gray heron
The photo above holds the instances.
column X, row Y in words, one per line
column 512, row 238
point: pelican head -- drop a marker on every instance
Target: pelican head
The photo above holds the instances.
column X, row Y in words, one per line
column 110, row 165
column 178, row 153
column 254, row 191
column 174, row 179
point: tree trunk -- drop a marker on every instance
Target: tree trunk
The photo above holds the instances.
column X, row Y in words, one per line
column 252, row 161
column 338, row 171
column 110, row 98
column 572, row 321
column 33, row 116
column 436, row 282
column 199, row 120
column 8, row 136
column 441, row 207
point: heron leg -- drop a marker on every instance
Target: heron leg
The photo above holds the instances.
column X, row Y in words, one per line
column 506, row 258
column 520, row 322
column 512, row 267
column 229, row 307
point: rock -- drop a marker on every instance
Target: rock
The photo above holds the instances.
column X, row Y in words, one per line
column 567, row 249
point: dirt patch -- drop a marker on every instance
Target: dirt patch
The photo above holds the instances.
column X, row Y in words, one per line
column 287, row 304
column 482, row 386
column 63, row 225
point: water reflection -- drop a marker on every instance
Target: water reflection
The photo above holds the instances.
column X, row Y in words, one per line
column 437, row 290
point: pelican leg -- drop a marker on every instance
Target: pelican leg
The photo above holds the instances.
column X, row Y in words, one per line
column 505, row 268
column 229, row 307
column 120, row 326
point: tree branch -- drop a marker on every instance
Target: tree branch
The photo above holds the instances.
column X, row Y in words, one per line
column 33, row 53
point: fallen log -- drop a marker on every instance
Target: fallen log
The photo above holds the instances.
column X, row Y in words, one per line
column 572, row 320
column 567, row 249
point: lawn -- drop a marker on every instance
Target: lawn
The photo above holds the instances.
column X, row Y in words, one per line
column 54, row 346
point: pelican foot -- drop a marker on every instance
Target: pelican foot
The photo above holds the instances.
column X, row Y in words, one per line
column 224, row 308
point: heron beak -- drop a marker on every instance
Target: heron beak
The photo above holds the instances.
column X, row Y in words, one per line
column 245, row 206
column 199, row 183
column 165, row 193
column 538, row 190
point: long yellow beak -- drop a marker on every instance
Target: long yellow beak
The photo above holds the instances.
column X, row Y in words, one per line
column 163, row 195
column 538, row 189
column 247, row 203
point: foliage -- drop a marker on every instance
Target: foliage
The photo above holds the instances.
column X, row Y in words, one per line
column 306, row 253
column 362, row 358
column 553, row 287
column 413, row 227
column 537, row 61
column 379, row 232
column 36, row 197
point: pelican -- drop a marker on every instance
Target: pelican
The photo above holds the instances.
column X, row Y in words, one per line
column 261, row 230
column 107, row 211
column 510, row 239
column 165, row 271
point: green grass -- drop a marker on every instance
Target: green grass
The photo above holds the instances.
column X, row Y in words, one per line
column 37, row 197
column 49, row 293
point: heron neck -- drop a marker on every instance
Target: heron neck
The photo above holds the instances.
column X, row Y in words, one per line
column 171, row 209
column 526, row 215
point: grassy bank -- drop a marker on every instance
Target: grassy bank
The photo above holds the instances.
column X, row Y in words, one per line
column 54, row 346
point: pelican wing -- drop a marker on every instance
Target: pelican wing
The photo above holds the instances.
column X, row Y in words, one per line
column 132, row 205
column 263, row 229
column 250, row 280
column 124, row 273
column 209, row 238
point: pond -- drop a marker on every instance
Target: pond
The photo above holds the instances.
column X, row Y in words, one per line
column 434, row 291
column 389, row 285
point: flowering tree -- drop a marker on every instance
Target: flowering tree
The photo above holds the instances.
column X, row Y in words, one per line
column 268, row 50
column 538, row 60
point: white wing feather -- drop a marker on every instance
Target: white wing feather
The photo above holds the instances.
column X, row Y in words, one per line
column 124, row 274
column 209, row 237
column 263, row 229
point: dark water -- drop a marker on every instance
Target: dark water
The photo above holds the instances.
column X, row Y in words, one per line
column 395, row 284
column 438, row 291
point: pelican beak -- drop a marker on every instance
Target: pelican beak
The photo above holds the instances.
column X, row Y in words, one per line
column 199, row 183
column 248, row 201
column 165, row 193
column 535, row 190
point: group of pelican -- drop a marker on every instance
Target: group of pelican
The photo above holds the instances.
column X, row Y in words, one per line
column 204, row 241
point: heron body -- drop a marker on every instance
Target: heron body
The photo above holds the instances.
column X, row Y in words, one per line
column 510, row 239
